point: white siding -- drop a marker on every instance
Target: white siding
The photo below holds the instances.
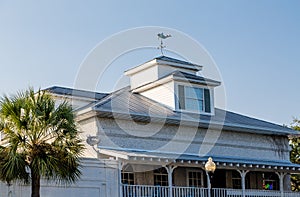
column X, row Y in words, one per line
column 143, row 77
column 99, row 179
column 164, row 70
column 152, row 74
column 163, row 94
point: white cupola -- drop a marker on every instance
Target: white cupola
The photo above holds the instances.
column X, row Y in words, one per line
column 175, row 84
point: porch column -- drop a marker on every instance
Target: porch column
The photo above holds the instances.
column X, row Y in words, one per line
column 281, row 177
column 208, row 180
column 243, row 174
column 120, row 167
column 170, row 170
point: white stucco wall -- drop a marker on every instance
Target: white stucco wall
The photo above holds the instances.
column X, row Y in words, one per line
column 88, row 128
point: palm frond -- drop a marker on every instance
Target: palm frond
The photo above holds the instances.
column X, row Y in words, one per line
column 40, row 136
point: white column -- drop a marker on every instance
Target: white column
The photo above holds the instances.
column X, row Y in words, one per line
column 120, row 167
column 281, row 177
column 243, row 174
column 170, row 170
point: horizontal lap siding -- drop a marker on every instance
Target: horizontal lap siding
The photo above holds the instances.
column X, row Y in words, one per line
column 163, row 94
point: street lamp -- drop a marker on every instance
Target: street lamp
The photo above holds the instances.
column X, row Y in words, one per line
column 210, row 168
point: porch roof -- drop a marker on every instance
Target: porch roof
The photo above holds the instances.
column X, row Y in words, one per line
column 152, row 157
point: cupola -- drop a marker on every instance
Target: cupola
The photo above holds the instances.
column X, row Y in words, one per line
column 175, row 84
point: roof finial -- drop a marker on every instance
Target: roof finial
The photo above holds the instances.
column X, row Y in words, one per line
column 162, row 36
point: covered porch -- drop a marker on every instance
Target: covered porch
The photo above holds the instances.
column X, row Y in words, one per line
column 145, row 174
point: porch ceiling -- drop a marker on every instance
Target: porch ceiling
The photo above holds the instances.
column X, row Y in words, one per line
column 155, row 158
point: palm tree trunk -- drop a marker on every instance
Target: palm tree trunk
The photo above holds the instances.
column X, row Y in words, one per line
column 35, row 185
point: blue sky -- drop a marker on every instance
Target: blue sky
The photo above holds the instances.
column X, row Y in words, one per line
column 254, row 43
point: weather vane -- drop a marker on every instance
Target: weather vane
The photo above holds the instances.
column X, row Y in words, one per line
column 161, row 37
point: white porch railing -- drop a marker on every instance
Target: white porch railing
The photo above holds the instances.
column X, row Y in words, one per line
column 189, row 191
column 145, row 191
column 163, row 191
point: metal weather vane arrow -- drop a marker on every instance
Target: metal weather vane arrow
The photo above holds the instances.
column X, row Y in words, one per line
column 161, row 37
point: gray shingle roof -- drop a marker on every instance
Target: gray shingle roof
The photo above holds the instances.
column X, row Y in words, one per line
column 127, row 104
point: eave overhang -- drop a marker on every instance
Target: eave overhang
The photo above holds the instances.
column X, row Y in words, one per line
column 186, row 121
column 154, row 62
column 160, row 158
column 177, row 78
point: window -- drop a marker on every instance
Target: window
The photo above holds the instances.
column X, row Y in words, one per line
column 195, row 179
column 160, row 177
column 194, row 99
column 128, row 178
column 270, row 181
column 236, row 180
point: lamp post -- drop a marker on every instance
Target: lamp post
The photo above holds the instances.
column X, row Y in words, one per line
column 210, row 168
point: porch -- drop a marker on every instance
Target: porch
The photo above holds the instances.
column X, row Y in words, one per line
column 144, row 174
column 164, row 191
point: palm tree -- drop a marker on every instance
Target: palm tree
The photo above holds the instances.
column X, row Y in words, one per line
column 41, row 140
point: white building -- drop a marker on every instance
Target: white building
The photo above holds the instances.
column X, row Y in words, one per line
column 154, row 137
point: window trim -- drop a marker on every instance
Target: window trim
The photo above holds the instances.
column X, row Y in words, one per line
column 194, row 170
column 178, row 99
column 122, row 177
column 160, row 174
column 237, row 177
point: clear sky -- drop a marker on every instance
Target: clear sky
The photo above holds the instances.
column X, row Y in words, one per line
column 254, row 43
